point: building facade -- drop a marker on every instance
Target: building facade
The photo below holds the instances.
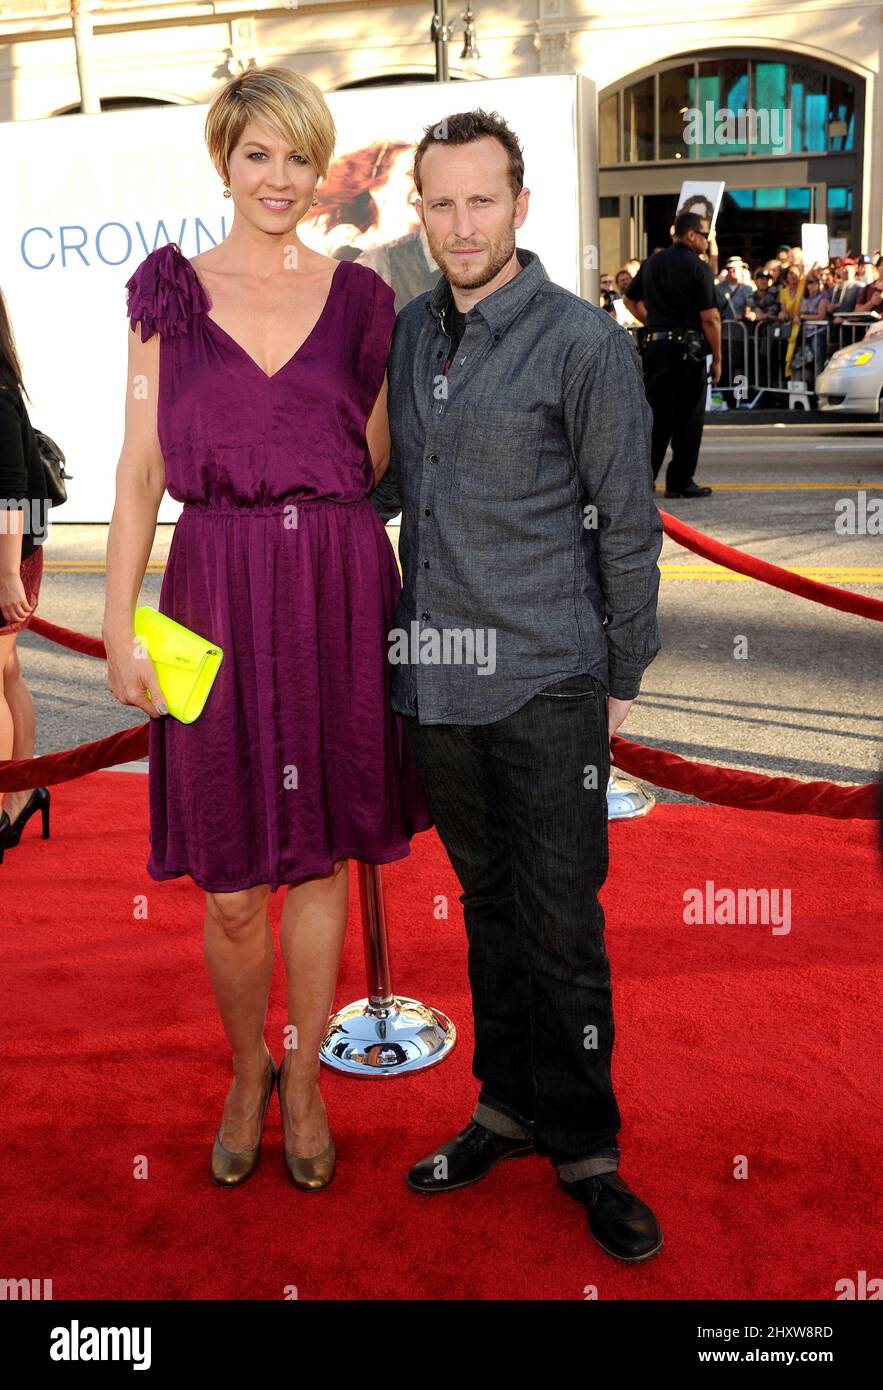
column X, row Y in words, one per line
column 805, row 76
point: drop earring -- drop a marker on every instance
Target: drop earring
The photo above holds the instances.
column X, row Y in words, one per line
column 315, row 200
column 227, row 193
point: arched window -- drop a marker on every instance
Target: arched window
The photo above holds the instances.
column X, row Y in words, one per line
column 688, row 109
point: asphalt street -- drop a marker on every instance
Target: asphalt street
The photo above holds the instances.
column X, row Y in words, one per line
column 748, row 676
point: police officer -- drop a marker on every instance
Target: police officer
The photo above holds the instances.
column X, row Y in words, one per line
column 673, row 296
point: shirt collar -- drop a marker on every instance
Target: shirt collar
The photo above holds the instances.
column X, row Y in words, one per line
column 501, row 307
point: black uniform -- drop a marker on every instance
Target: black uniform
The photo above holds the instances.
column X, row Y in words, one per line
column 675, row 286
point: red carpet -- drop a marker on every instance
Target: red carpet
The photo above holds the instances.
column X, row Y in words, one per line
column 731, row 1040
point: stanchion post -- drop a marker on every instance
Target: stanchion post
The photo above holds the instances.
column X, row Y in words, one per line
column 374, row 935
column 383, row 1034
column 627, row 798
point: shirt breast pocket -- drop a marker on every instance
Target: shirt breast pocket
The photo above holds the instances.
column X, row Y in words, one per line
column 497, row 453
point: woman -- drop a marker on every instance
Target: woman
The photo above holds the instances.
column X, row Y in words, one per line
column 814, row 309
column 790, row 296
column 22, row 533
column 268, row 421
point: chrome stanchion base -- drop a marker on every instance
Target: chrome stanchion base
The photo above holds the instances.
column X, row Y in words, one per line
column 404, row 1036
column 627, row 799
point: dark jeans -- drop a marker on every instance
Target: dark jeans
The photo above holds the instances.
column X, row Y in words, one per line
column 676, row 391
column 525, row 826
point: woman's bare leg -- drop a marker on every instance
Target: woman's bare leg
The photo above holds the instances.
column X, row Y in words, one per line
column 312, row 931
column 7, row 727
column 24, row 722
column 238, row 946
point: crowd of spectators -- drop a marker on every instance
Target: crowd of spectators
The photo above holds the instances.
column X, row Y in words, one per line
column 809, row 311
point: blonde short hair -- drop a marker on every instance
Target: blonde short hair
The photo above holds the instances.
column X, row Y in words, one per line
column 285, row 102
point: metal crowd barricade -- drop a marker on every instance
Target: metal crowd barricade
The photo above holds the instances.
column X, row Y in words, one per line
column 754, row 358
column 772, row 338
column 734, row 378
column 849, row 330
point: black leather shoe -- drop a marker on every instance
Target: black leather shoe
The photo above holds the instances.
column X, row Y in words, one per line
column 469, row 1156
column 691, row 490
column 621, row 1223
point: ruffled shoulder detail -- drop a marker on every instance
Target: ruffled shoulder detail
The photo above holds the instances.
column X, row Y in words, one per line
column 164, row 293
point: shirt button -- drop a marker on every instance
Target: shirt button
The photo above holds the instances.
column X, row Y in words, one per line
column 427, row 512
column 433, row 458
column 426, row 564
column 425, row 617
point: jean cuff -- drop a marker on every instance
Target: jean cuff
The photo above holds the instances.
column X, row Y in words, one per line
column 499, row 1119
column 573, row 1170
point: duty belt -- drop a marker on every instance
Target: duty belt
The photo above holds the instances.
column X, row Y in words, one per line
column 676, row 335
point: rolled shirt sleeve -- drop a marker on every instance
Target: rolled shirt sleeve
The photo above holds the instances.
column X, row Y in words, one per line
column 384, row 497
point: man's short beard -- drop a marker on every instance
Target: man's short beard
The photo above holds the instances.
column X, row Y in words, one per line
column 501, row 253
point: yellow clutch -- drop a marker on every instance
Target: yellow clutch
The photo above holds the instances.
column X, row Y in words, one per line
column 186, row 664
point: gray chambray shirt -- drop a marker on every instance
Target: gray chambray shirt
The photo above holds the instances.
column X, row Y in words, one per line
column 529, row 535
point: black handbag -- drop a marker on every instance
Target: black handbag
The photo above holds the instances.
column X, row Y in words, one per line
column 53, row 469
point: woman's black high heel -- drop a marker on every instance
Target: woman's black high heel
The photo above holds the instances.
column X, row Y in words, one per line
column 10, row 832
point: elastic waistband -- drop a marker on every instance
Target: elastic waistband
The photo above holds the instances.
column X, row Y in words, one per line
column 278, row 509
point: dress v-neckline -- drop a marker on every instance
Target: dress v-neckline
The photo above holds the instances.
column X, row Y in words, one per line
column 247, row 355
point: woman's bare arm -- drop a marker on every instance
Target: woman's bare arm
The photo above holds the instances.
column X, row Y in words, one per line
column 377, row 432
column 140, row 483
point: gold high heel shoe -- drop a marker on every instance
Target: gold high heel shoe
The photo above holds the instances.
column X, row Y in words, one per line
column 306, row 1173
column 229, row 1168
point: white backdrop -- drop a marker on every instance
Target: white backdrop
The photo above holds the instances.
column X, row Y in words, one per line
column 90, row 196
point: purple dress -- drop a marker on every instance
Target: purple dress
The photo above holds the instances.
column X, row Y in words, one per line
column 297, row 758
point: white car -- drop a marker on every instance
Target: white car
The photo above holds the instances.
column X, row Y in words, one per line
column 852, row 380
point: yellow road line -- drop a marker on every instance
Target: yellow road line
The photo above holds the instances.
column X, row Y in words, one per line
column 845, row 486
column 90, row 567
column 833, row 574
column 829, row 575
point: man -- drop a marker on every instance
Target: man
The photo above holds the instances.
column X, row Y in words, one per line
column 869, row 290
column 763, row 302
column 763, row 307
column 623, row 279
column 520, row 462
column 732, row 295
column 865, row 272
column 609, row 295
column 732, row 292
column 846, row 288
column 673, row 296
column 844, row 301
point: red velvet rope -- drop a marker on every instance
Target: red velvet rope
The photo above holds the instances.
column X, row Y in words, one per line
column 64, row 637
column 742, row 563
column 52, row 768
column 718, row 785
column 749, row 791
